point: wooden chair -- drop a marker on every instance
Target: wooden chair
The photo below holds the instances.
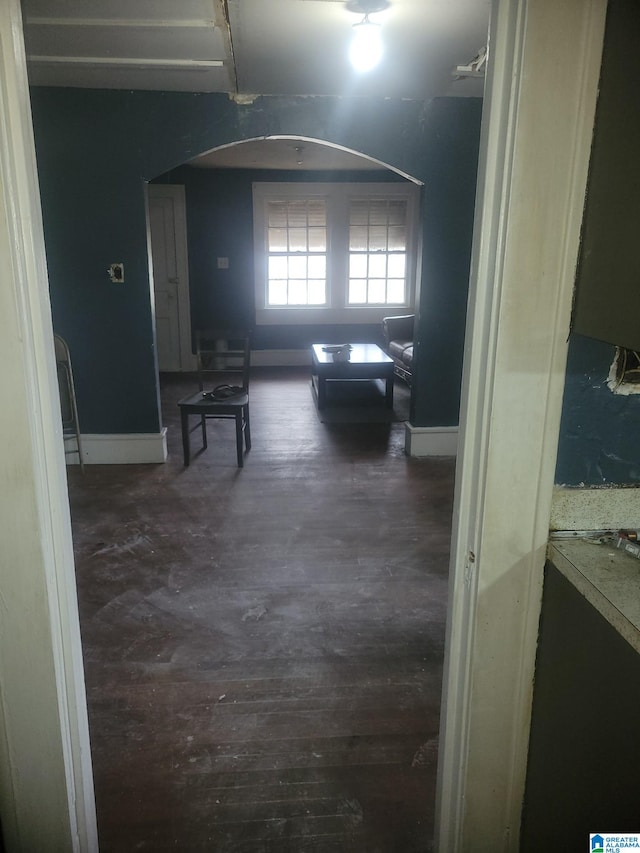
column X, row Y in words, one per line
column 223, row 373
column 68, row 408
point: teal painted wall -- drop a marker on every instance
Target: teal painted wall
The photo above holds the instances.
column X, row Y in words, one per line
column 96, row 148
column 598, row 442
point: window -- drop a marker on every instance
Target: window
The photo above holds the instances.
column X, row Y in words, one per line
column 377, row 251
column 334, row 253
column 297, row 252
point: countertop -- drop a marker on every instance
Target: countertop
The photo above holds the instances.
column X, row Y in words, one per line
column 607, row 577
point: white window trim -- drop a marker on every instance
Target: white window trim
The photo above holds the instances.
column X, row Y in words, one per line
column 336, row 196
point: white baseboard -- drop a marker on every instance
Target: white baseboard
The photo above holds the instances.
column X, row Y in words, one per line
column 430, row 441
column 592, row 508
column 281, row 357
column 127, row 449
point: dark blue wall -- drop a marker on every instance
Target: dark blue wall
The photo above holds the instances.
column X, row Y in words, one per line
column 220, row 224
column 95, row 149
column 448, row 205
column 599, row 430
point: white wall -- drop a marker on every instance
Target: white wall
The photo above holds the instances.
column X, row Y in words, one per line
column 46, row 788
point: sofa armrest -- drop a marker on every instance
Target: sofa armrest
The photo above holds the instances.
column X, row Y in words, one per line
column 398, row 328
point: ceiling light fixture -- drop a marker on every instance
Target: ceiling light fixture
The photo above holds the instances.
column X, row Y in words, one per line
column 366, row 48
column 474, row 68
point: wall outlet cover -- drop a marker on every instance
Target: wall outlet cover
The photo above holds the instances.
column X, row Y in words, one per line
column 116, row 273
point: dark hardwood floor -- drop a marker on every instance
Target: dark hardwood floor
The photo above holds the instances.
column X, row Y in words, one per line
column 263, row 647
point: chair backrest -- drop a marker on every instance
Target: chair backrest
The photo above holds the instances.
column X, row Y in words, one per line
column 65, row 382
column 68, row 406
column 224, row 357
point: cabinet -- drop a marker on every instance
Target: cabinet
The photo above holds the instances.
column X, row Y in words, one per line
column 607, row 297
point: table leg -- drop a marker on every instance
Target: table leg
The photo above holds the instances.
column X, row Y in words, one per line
column 322, row 392
column 184, row 420
column 389, row 392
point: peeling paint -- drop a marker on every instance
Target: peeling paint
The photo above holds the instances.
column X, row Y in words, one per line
column 241, row 99
column 616, row 381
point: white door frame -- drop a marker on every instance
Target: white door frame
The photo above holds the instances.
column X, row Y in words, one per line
column 177, row 194
column 535, row 150
column 46, row 783
column 540, row 102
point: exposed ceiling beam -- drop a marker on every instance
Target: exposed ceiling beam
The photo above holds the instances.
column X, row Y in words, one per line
column 173, row 23
column 176, row 64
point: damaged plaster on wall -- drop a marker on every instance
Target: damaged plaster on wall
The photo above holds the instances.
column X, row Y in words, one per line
column 624, row 373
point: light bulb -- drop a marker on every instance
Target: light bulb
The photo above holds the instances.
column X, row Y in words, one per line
column 366, row 47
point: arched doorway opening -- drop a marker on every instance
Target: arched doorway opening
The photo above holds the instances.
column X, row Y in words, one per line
column 216, row 187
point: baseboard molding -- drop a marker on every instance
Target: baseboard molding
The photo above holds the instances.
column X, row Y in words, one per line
column 430, row 441
column 127, row 449
column 281, row 357
column 602, row 508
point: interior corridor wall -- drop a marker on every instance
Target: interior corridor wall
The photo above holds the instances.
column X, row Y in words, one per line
column 95, row 150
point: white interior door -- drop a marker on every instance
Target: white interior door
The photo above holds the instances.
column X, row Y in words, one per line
column 167, row 221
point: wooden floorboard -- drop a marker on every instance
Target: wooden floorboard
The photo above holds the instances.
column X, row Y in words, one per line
column 263, row 647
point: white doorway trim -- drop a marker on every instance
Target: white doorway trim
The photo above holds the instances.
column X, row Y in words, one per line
column 544, row 64
column 535, row 149
column 46, row 784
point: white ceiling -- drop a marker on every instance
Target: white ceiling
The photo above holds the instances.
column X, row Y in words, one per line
column 252, row 47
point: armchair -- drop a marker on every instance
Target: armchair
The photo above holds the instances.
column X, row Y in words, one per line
column 398, row 343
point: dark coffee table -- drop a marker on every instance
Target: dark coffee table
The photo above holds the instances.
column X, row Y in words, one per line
column 364, row 361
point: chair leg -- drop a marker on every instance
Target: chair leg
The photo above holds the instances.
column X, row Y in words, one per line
column 184, row 420
column 239, row 449
column 247, row 428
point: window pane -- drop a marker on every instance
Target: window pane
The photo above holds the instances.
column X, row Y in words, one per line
column 297, row 292
column 277, row 239
column 317, row 292
column 377, row 238
column 397, row 237
column 395, row 291
column 277, row 293
column 359, row 212
column 396, row 266
column 357, row 291
column 317, row 239
column 297, row 214
column 277, row 267
column 317, row 266
column 357, row 266
column 297, row 239
column 377, row 291
column 317, row 213
column 378, row 213
column 397, row 212
column 378, row 266
column 277, row 214
column 358, row 238
column 297, row 267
